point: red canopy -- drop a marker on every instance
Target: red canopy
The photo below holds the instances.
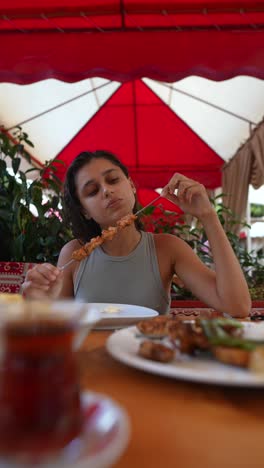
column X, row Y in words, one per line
column 123, row 39
column 148, row 137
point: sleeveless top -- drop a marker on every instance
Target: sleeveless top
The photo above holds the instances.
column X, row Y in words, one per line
column 132, row 279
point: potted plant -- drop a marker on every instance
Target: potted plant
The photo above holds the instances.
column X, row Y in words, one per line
column 31, row 227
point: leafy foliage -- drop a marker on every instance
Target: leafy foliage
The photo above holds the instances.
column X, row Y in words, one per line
column 257, row 211
column 156, row 219
column 31, row 227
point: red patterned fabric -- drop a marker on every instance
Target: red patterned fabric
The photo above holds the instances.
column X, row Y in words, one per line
column 12, row 275
column 192, row 313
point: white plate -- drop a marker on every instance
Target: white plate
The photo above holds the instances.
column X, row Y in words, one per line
column 104, row 437
column 122, row 315
column 90, row 316
column 123, row 345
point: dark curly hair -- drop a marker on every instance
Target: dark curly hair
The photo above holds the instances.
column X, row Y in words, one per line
column 82, row 228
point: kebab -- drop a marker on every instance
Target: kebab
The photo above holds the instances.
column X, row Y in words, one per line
column 107, row 234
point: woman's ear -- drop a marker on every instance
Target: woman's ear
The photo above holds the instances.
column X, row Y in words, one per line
column 132, row 185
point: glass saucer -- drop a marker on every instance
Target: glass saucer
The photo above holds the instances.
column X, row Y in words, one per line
column 104, row 437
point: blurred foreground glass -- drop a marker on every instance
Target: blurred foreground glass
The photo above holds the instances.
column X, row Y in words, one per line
column 39, row 384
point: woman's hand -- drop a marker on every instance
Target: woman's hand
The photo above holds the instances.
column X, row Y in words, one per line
column 43, row 281
column 191, row 197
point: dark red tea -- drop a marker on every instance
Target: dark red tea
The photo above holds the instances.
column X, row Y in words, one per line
column 39, row 393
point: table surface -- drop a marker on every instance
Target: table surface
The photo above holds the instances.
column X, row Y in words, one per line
column 176, row 423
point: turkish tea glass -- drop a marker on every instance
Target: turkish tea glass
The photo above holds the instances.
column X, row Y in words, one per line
column 39, row 383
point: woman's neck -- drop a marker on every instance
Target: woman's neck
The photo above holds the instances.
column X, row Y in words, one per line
column 123, row 243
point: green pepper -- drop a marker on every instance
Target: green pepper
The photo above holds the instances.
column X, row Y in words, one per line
column 217, row 336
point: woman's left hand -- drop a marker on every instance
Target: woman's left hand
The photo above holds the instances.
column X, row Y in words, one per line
column 191, row 197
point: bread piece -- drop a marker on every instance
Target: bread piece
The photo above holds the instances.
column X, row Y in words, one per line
column 155, row 351
column 233, row 356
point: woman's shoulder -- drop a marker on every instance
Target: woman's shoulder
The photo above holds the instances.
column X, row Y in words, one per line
column 71, row 246
column 163, row 238
column 168, row 242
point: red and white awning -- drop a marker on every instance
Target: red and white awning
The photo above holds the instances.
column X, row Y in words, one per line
column 166, row 40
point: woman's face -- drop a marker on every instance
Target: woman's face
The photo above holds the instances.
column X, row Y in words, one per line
column 104, row 191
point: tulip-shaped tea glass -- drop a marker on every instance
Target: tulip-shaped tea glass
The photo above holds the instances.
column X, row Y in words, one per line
column 39, row 386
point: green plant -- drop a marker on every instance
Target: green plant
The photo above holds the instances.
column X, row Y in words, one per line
column 31, row 227
column 252, row 263
column 256, row 210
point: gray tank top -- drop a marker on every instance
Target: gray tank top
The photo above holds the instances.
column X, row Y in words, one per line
column 132, row 279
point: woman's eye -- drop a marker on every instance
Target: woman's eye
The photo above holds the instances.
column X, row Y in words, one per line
column 92, row 193
column 113, row 181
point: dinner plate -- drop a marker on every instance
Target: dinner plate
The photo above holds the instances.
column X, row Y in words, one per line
column 104, row 437
column 123, row 345
column 114, row 316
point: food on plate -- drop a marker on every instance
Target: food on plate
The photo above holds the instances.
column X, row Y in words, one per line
column 156, row 351
column 256, row 362
column 107, row 234
column 188, row 335
column 232, row 356
column 112, row 309
column 155, row 327
column 224, row 339
column 7, row 298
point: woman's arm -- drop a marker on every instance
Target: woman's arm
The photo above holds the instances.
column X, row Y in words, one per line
column 231, row 286
column 225, row 289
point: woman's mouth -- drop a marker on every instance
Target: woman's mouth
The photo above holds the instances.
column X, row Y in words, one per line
column 114, row 202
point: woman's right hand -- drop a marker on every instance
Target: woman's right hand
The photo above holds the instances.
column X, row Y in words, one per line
column 43, row 281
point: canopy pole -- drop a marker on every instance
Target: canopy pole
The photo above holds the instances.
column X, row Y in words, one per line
column 196, row 98
column 58, row 106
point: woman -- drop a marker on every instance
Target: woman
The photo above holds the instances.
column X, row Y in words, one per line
column 136, row 267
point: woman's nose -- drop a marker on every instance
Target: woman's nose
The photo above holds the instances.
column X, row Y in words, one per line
column 107, row 191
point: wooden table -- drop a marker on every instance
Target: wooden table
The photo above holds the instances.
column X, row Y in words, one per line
column 175, row 423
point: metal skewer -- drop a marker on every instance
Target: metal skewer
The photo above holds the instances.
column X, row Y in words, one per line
column 66, row 264
column 149, row 204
